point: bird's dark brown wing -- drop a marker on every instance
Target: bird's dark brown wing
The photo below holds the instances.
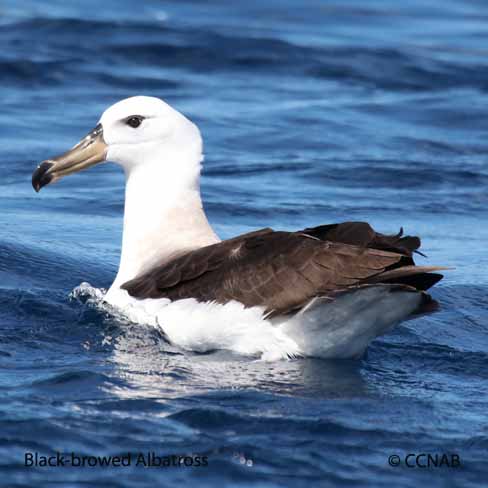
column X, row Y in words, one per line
column 280, row 271
column 363, row 235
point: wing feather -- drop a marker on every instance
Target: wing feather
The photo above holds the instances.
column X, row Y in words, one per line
column 283, row 271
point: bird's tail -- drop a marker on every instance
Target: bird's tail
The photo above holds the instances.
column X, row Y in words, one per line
column 343, row 327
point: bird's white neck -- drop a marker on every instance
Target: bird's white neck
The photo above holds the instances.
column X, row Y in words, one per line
column 163, row 214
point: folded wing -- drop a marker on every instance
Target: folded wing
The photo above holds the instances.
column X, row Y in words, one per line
column 283, row 271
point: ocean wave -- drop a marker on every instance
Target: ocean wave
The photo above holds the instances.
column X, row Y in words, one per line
column 412, row 68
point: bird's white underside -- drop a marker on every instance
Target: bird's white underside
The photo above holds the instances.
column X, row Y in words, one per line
column 339, row 329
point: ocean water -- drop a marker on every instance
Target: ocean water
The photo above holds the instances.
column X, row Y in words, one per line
column 312, row 112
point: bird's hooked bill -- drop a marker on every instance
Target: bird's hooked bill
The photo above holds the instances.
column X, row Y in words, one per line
column 91, row 150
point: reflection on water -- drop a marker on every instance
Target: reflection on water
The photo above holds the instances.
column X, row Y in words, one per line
column 151, row 367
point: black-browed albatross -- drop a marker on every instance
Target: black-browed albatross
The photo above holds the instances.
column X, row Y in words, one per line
column 325, row 291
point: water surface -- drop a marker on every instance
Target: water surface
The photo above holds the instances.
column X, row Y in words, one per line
column 311, row 112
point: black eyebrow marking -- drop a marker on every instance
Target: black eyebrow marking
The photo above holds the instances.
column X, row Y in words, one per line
column 142, row 117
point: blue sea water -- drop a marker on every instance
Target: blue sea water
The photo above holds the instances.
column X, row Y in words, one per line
column 312, row 112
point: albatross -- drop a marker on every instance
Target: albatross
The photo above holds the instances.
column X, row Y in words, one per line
column 325, row 291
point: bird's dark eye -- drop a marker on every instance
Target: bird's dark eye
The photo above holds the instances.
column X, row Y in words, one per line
column 134, row 121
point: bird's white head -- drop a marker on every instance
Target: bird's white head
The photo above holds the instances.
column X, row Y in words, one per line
column 140, row 129
column 135, row 133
